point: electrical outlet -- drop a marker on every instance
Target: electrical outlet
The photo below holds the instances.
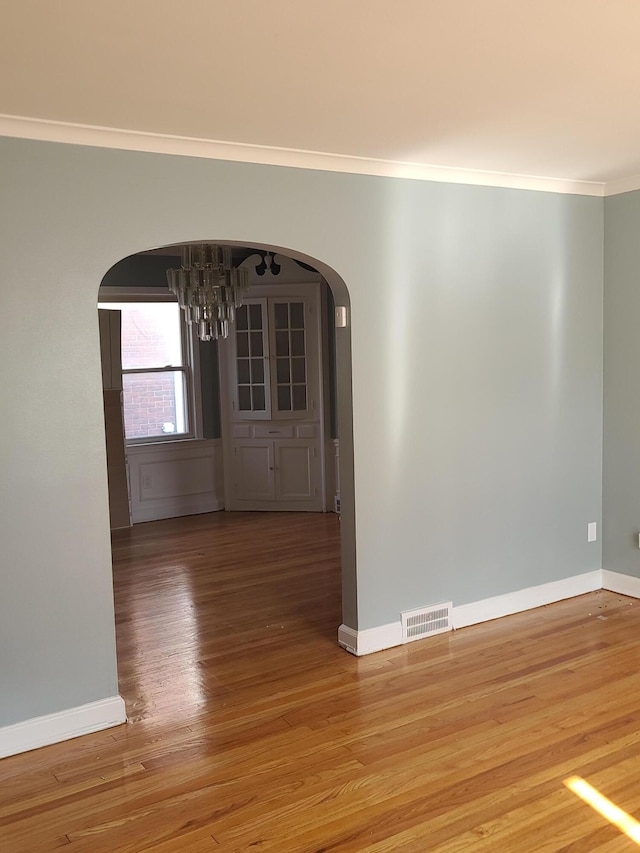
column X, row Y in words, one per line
column 592, row 531
column 146, row 482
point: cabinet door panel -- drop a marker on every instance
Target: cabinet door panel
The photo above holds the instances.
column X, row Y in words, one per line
column 295, row 471
column 254, row 470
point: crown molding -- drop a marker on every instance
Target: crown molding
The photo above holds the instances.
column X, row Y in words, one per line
column 622, row 185
column 132, row 140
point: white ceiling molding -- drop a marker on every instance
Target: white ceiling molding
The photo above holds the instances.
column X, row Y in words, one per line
column 622, row 185
column 131, row 140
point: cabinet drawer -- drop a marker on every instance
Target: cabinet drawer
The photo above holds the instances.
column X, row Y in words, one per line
column 241, row 430
column 307, row 430
column 273, row 431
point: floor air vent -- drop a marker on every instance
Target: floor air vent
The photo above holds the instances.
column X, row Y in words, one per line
column 426, row 621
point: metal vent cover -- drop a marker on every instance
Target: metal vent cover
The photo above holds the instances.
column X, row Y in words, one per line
column 426, row 621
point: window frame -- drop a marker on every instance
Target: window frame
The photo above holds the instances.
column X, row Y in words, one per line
column 190, row 367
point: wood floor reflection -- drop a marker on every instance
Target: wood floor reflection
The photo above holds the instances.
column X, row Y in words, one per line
column 251, row 730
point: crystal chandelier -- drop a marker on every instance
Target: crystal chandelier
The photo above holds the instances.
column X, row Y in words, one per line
column 209, row 288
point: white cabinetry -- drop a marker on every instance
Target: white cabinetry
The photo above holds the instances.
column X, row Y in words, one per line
column 274, row 424
column 282, row 470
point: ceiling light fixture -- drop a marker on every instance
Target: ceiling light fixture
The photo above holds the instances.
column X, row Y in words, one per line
column 208, row 288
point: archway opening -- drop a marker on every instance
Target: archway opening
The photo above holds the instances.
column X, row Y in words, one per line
column 137, row 277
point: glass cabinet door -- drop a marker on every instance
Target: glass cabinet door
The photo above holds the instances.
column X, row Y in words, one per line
column 251, row 392
column 289, row 357
column 273, row 363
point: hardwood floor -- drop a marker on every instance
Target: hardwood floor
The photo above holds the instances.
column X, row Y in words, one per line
column 251, row 730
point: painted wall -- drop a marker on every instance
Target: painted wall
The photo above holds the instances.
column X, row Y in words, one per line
column 621, row 482
column 490, row 400
column 477, row 383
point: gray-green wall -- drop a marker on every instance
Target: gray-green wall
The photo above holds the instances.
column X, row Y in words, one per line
column 476, row 332
column 621, row 485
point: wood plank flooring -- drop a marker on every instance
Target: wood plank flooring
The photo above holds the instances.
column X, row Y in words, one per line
column 250, row 729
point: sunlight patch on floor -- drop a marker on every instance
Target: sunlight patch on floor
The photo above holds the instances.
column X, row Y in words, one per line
column 615, row 815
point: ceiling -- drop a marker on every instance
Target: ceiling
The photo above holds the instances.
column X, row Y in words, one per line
column 545, row 89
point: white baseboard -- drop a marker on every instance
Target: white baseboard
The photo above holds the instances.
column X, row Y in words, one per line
column 175, row 508
column 370, row 639
column 386, row 636
column 348, row 639
column 63, row 725
column 624, row 584
column 525, row 599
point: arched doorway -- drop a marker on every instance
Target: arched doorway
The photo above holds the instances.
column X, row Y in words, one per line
column 341, row 355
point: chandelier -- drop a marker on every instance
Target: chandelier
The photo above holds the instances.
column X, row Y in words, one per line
column 209, row 288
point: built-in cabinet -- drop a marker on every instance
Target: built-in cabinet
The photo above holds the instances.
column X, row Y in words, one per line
column 274, row 418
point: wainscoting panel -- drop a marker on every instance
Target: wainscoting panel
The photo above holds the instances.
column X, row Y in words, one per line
column 173, row 479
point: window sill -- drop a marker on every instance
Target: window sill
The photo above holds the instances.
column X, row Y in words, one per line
column 156, row 444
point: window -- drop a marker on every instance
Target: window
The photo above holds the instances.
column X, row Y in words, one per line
column 156, row 376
